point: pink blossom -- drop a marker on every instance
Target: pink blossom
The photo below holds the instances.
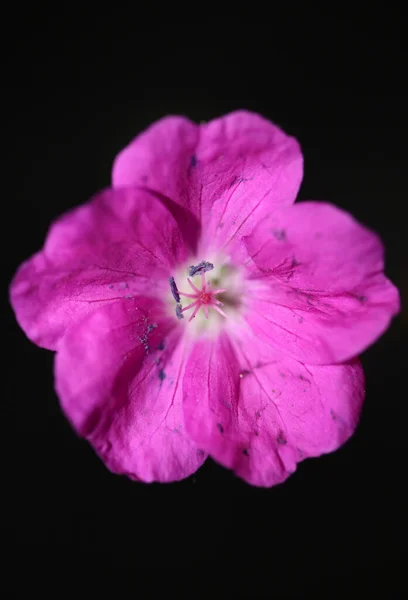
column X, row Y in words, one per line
column 196, row 311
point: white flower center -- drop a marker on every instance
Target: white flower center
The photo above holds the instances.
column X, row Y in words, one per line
column 205, row 295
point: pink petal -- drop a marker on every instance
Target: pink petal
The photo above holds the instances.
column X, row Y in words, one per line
column 229, row 173
column 260, row 419
column 118, row 375
column 119, row 244
column 158, row 158
column 325, row 297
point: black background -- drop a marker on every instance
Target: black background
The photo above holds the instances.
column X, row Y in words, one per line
column 81, row 87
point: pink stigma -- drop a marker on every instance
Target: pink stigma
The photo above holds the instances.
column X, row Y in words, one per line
column 203, row 298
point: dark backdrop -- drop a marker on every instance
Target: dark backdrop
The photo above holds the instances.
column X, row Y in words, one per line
column 80, row 89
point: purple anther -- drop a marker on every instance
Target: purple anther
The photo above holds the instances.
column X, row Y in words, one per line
column 179, row 311
column 174, row 289
column 202, row 267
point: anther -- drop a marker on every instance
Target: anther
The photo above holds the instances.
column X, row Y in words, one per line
column 179, row 311
column 202, row 267
column 174, row 289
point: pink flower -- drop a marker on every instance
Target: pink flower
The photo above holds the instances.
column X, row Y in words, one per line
column 248, row 354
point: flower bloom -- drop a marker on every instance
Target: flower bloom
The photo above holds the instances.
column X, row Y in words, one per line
column 196, row 311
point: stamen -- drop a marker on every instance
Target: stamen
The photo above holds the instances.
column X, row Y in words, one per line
column 218, row 309
column 191, row 305
column 174, row 289
column 197, row 308
column 179, row 312
column 193, row 286
column 202, row 267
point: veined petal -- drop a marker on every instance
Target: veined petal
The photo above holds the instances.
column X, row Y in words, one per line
column 324, row 297
column 119, row 378
column 121, row 243
column 230, row 173
column 261, row 418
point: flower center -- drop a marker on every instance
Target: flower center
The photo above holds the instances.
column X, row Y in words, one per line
column 207, row 289
column 203, row 298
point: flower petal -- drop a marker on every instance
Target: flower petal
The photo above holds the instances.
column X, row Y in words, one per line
column 324, row 297
column 159, row 158
column 119, row 244
column 261, row 419
column 229, row 173
column 118, row 375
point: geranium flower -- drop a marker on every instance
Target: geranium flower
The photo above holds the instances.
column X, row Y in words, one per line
column 196, row 310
